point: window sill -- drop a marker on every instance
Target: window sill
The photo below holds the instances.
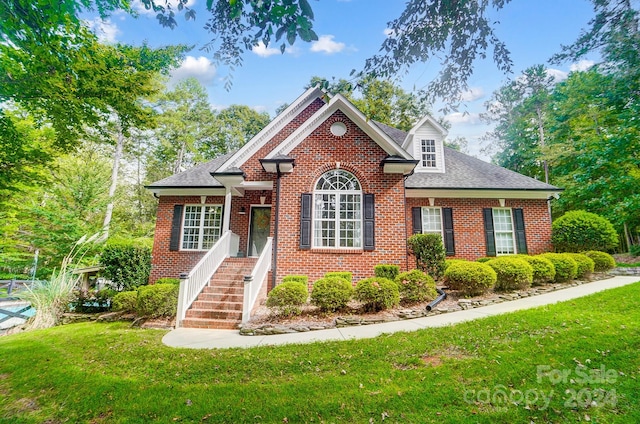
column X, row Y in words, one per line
column 337, row 251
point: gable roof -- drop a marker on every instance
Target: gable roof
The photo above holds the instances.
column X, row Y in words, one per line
column 425, row 119
column 197, row 177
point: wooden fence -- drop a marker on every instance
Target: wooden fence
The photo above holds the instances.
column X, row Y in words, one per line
column 8, row 289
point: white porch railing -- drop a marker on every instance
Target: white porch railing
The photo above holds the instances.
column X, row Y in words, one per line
column 192, row 284
column 253, row 283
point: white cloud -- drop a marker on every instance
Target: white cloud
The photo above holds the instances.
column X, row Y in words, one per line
column 106, row 30
column 199, row 68
column 463, row 118
column 557, row 74
column 583, row 65
column 473, row 93
column 263, row 51
column 325, row 44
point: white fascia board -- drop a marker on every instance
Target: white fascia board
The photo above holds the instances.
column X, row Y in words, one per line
column 480, row 194
column 257, row 185
column 427, row 118
column 178, row 191
column 279, row 122
column 339, row 102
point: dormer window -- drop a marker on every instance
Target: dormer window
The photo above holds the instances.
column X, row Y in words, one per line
column 428, row 153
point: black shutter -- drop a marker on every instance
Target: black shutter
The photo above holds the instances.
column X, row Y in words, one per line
column 369, row 222
column 449, row 243
column 305, row 221
column 176, row 223
column 521, row 239
column 489, row 237
column 416, row 214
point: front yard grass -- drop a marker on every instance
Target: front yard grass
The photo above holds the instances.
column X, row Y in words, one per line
column 532, row 366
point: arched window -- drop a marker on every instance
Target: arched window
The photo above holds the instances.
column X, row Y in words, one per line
column 337, row 216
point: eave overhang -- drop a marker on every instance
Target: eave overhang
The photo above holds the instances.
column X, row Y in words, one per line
column 398, row 165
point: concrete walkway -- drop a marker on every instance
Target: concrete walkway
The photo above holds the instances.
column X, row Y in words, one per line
column 210, row 339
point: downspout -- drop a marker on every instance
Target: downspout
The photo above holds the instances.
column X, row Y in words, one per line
column 274, row 264
column 404, row 195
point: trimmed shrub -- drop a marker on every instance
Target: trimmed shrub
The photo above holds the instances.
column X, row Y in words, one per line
column 429, row 252
column 585, row 264
column 416, row 286
column 470, row 278
column 512, row 273
column 577, row 231
column 386, row 271
column 126, row 265
column 566, row 267
column 125, row 301
column 377, row 293
column 543, row 270
column 299, row 278
column 287, row 298
column 485, row 259
column 602, row 261
column 331, row 293
column 167, row 280
column 158, row 300
column 345, row 275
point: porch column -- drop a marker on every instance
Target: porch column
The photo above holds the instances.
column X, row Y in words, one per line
column 226, row 217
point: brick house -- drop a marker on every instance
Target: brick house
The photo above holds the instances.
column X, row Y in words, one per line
column 326, row 189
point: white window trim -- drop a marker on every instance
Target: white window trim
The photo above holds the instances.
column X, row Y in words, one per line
column 513, row 231
column 337, row 219
column 423, row 153
column 422, row 218
column 201, row 226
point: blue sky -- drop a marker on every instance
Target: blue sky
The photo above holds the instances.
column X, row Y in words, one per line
column 349, row 32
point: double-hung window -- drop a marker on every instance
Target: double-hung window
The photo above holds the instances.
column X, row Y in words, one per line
column 428, row 153
column 201, row 226
column 337, row 216
column 432, row 220
column 503, row 232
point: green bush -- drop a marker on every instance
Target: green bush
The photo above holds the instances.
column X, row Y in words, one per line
column 543, row 270
column 299, row 278
column 386, row 271
column 125, row 301
column 634, row 250
column 126, row 265
column 345, row 275
column 92, row 301
column 512, row 273
column 429, row 252
column 577, row 231
column 416, row 286
column 470, row 278
column 566, row 267
column 287, row 298
column 586, row 265
column 331, row 293
column 602, row 261
column 157, row 300
column 485, row 259
column 168, row 280
column 377, row 293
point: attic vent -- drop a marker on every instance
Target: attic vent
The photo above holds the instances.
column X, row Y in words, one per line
column 338, row 129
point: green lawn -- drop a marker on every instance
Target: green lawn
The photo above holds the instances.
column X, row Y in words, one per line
column 533, row 366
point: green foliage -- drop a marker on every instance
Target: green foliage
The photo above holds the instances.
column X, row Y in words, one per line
column 577, row 231
column 126, row 265
column 602, row 261
column 346, row 275
column 586, row 265
column 92, row 301
column 512, row 273
column 157, row 300
column 386, row 271
column 634, row 250
column 566, row 267
column 168, row 280
column 287, row 298
column 543, row 269
column 126, row 301
column 299, row 278
column 331, row 293
column 416, row 286
column 469, row 278
column 429, row 252
column 377, row 293
column 485, row 259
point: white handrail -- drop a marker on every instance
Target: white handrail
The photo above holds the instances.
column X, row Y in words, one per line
column 253, row 283
column 192, row 284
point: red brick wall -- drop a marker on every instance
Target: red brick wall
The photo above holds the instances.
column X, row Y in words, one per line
column 468, row 224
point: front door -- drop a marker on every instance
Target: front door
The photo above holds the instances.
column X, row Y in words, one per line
column 259, row 229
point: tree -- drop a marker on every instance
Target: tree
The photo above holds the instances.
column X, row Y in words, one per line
column 235, row 125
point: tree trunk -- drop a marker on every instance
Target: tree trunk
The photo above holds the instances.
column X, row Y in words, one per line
column 117, row 156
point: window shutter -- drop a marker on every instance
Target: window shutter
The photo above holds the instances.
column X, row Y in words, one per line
column 305, row 221
column 369, row 222
column 449, row 243
column 490, row 240
column 176, row 223
column 521, row 239
column 416, row 214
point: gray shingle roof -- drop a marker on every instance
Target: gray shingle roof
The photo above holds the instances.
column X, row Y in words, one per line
column 396, row 135
column 196, row 177
column 466, row 172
